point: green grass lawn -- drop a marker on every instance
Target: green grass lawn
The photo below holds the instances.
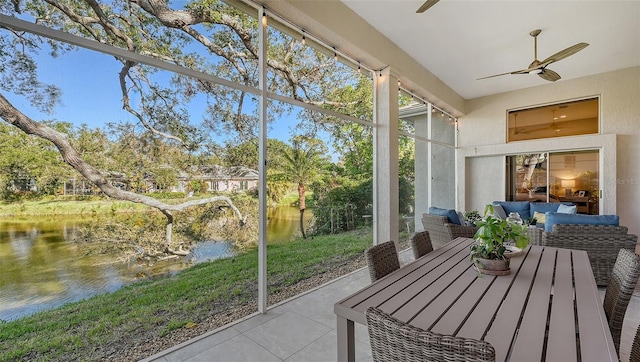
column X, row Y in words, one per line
column 104, row 325
column 68, row 207
column 98, row 327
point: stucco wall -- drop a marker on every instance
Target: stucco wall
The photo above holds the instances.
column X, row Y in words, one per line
column 483, row 132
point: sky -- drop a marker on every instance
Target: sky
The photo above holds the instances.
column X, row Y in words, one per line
column 91, row 93
column 88, row 96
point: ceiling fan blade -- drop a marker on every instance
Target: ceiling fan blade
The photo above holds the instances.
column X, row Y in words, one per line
column 426, row 6
column 564, row 53
column 521, row 71
column 548, row 74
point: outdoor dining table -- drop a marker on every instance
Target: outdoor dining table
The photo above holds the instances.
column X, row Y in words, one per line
column 547, row 308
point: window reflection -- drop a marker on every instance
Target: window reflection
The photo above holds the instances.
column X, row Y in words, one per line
column 557, row 120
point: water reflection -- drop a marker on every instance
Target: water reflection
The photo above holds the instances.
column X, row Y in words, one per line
column 284, row 223
column 41, row 268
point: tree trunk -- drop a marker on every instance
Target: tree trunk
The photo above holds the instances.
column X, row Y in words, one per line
column 302, row 201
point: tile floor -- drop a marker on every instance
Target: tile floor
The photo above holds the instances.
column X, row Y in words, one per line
column 304, row 329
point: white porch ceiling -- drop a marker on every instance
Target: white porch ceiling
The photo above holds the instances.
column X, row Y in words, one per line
column 462, row 40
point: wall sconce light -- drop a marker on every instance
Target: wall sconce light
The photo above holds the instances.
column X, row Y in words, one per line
column 568, row 184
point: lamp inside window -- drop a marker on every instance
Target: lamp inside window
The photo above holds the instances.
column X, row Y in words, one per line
column 568, row 185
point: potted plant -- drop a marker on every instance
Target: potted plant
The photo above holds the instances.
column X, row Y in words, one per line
column 488, row 252
column 471, row 217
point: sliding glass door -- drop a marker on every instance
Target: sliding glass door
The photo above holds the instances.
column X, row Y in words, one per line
column 555, row 177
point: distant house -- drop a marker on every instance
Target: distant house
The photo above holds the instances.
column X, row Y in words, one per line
column 216, row 177
column 220, row 178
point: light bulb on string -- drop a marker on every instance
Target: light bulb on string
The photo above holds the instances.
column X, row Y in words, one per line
column 304, row 39
column 264, row 17
column 359, row 69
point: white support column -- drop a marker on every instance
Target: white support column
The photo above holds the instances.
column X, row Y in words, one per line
column 422, row 169
column 385, row 158
column 262, row 169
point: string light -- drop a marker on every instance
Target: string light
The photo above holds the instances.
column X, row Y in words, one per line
column 335, row 57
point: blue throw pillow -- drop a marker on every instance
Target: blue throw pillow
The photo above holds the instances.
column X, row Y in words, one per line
column 564, row 209
column 553, row 218
column 451, row 214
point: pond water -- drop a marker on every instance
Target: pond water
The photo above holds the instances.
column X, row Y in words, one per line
column 41, row 269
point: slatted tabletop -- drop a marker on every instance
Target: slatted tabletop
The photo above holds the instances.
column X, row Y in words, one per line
column 548, row 308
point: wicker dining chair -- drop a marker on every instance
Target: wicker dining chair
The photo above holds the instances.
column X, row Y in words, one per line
column 394, row 340
column 622, row 283
column 382, row 259
column 421, row 244
column 635, row 348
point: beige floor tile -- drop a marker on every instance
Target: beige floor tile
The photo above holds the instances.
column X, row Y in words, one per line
column 287, row 334
column 303, row 329
column 237, row 349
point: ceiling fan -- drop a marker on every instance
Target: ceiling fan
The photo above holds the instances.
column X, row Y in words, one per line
column 426, row 6
column 540, row 67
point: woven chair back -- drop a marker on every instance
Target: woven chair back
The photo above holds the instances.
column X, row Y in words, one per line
column 394, row 340
column 635, row 348
column 382, row 259
column 622, row 283
column 421, row 244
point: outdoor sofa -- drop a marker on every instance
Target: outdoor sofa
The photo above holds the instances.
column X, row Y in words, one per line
column 599, row 235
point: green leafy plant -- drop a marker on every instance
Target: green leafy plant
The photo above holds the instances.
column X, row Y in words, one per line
column 493, row 233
